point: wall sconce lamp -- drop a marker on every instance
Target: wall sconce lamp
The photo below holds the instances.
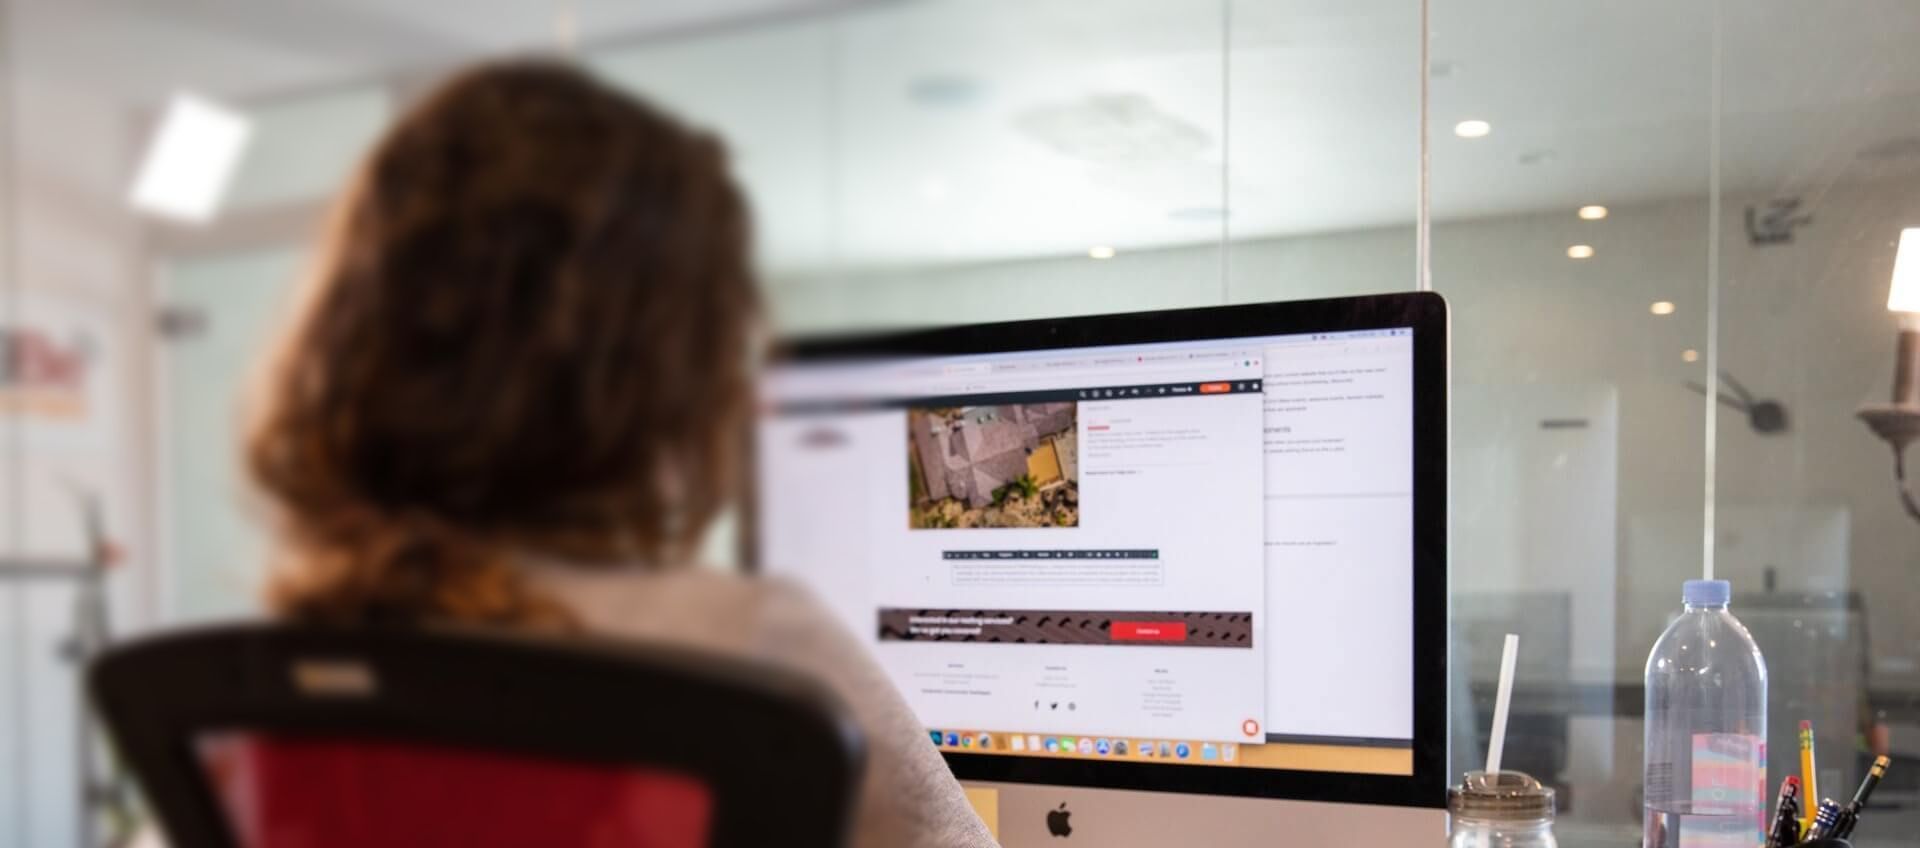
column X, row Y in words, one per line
column 1899, row 422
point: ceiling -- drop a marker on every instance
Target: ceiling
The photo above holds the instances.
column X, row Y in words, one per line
column 936, row 131
column 976, row 130
column 140, row 50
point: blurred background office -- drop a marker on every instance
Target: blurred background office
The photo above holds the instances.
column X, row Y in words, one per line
column 1667, row 231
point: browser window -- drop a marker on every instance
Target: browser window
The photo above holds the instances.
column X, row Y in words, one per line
column 1126, row 552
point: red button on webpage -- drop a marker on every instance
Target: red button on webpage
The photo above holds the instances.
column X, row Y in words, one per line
column 1215, row 388
column 1149, row 631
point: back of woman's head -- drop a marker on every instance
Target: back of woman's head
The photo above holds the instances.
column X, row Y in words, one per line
column 529, row 334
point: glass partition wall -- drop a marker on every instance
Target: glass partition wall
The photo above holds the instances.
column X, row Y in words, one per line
column 1666, row 231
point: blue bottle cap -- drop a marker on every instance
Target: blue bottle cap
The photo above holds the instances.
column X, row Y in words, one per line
column 1706, row 593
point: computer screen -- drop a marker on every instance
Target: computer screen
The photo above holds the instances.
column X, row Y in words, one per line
column 1185, row 553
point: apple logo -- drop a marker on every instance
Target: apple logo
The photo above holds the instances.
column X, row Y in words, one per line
column 1057, row 821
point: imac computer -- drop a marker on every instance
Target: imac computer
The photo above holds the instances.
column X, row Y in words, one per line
column 1168, row 578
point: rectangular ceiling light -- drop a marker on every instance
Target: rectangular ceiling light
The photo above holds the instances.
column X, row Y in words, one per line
column 191, row 160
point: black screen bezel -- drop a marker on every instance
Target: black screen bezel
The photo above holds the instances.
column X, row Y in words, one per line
column 1426, row 314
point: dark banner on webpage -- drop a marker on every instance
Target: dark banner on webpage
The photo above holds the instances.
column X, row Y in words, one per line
column 1070, row 627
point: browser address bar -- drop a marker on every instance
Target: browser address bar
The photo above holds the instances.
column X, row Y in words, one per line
column 1066, row 378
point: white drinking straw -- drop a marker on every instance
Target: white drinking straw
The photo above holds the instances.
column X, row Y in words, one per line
column 1497, row 745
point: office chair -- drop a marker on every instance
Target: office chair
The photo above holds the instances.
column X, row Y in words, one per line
column 268, row 736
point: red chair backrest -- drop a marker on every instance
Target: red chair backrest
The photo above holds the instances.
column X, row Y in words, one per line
column 303, row 792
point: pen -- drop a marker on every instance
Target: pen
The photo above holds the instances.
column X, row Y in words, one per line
column 1850, row 817
column 1786, row 815
column 1809, row 788
column 1824, row 821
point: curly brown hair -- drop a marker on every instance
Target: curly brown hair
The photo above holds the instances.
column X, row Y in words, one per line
column 530, row 333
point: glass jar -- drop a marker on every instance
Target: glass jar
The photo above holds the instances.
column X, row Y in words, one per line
column 1508, row 809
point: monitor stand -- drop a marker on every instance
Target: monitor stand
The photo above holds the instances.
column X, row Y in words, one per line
column 1033, row 816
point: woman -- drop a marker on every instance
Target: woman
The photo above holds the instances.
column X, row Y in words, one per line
column 515, row 393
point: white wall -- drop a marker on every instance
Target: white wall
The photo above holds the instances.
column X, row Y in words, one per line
column 74, row 258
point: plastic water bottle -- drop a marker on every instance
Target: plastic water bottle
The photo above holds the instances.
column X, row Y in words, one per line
column 1706, row 754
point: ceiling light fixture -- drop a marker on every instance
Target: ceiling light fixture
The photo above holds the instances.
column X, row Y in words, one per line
column 191, row 160
column 1593, row 213
column 1662, row 307
column 1580, row 251
column 1472, row 129
column 1100, row 251
column 1690, row 355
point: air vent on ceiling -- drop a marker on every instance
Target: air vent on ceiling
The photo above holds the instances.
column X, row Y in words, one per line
column 1114, row 129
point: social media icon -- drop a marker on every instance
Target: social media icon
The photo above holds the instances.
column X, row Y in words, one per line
column 1018, row 743
column 1228, row 750
column 953, row 739
column 1208, row 752
column 1103, row 747
column 1086, row 745
column 1182, row 751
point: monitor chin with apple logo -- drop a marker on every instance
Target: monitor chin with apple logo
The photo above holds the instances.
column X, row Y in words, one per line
column 1152, row 579
column 1059, row 821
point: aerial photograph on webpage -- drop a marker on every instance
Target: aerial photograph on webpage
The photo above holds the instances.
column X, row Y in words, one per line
column 1013, row 465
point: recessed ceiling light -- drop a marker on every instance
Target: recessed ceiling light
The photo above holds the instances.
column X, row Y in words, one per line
column 1580, row 251
column 191, row 159
column 1100, row 251
column 1472, row 129
column 1690, row 355
column 1661, row 307
column 1198, row 213
column 944, row 91
column 1592, row 213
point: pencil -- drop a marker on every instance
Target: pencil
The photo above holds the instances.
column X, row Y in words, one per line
column 1808, row 788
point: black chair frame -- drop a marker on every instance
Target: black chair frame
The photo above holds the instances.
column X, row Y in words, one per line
column 779, row 755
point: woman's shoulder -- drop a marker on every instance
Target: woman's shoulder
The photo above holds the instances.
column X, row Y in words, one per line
column 909, row 797
column 706, row 607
